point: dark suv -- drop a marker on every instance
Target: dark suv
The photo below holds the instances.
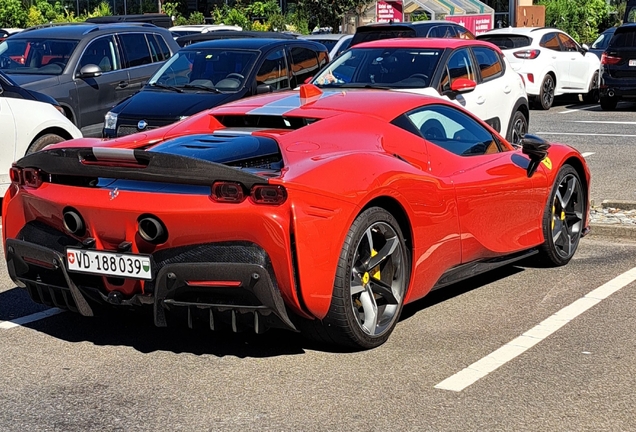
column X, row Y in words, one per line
column 87, row 68
column 207, row 74
column 618, row 68
column 418, row 29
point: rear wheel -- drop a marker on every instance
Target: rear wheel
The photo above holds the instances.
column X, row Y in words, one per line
column 609, row 103
column 564, row 217
column 43, row 141
column 546, row 95
column 370, row 284
column 591, row 96
column 518, row 128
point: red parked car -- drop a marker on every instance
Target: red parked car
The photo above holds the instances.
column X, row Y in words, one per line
column 319, row 211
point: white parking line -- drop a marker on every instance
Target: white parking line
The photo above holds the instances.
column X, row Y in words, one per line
column 515, row 347
column 586, row 154
column 603, row 122
column 5, row 325
column 584, row 134
column 582, row 108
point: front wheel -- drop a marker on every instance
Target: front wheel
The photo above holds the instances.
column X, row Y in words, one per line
column 609, row 103
column 564, row 217
column 370, row 283
column 44, row 141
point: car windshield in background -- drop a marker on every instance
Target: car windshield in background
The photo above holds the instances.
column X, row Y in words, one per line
column 381, row 67
column 206, row 69
column 35, row 56
column 329, row 43
column 506, row 41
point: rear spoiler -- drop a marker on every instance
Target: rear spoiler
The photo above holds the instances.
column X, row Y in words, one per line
column 141, row 165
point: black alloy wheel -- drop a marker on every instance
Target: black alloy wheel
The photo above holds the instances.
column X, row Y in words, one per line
column 518, row 128
column 564, row 217
column 546, row 95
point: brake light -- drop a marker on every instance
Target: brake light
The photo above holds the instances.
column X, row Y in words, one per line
column 227, row 192
column 15, row 174
column 31, row 177
column 527, row 54
column 268, row 194
column 610, row 60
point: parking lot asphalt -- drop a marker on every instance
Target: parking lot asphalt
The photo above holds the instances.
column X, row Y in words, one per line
column 63, row 372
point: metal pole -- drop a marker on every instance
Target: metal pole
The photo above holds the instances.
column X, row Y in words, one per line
column 512, row 12
column 77, row 8
column 126, row 9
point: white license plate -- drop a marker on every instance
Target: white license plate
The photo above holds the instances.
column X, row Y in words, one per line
column 632, row 62
column 108, row 263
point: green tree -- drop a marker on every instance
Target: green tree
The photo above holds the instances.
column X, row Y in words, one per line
column 12, row 14
column 581, row 19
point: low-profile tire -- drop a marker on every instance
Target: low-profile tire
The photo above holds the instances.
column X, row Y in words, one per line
column 546, row 95
column 370, row 284
column 609, row 103
column 564, row 218
column 518, row 128
column 43, row 141
column 591, row 97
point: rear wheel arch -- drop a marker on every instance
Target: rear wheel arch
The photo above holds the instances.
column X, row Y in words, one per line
column 396, row 209
column 53, row 131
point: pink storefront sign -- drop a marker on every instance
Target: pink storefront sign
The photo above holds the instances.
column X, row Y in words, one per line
column 476, row 23
column 386, row 11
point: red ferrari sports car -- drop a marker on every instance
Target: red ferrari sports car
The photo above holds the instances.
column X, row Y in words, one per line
column 323, row 212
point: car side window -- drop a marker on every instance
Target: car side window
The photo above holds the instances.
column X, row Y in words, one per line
column 453, row 130
column 550, row 41
column 304, row 64
column 459, row 65
column 155, row 49
column 274, row 71
column 135, row 47
column 323, row 57
column 567, row 43
column 103, row 53
column 463, row 33
column 163, row 47
column 441, row 31
column 490, row 64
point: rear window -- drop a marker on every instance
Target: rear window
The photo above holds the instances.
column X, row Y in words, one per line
column 623, row 38
column 507, row 41
column 371, row 34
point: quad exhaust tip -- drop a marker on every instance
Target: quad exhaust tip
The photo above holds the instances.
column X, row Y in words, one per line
column 151, row 229
column 73, row 222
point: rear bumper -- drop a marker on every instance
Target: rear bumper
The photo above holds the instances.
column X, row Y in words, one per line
column 192, row 285
column 616, row 87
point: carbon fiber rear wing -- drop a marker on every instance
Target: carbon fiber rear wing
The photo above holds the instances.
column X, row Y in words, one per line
column 129, row 164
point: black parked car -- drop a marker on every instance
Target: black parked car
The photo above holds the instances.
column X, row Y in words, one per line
column 602, row 42
column 87, row 68
column 207, row 74
column 618, row 68
column 417, row 29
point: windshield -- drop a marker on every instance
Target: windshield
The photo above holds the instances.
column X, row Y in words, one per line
column 385, row 67
column 201, row 69
column 35, row 56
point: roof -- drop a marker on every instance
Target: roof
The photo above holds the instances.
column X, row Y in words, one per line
column 519, row 30
column 422, row 43
column 79, row 30
column 325, row 36
column 230, row 34
column 383, row 104
column 246, row 43
column 408, row 24
column 203, row 28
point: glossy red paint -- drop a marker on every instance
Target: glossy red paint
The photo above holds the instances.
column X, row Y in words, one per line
column 455, row 209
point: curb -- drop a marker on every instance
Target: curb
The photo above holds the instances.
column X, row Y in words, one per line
column 615, row 230
column 612, row 230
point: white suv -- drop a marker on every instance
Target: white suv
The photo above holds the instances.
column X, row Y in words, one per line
column 29, row 121
column 550, row 61
column 471, row 73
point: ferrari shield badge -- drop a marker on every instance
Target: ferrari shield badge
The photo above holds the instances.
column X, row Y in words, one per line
column 547, row 162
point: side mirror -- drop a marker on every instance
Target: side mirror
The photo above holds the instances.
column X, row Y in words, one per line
column 263, row 88
column 585, row 48
column 89, row 71
column 463, row 85
column 536, row 148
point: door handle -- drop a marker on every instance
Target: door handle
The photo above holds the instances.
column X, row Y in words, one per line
column 122, row 85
